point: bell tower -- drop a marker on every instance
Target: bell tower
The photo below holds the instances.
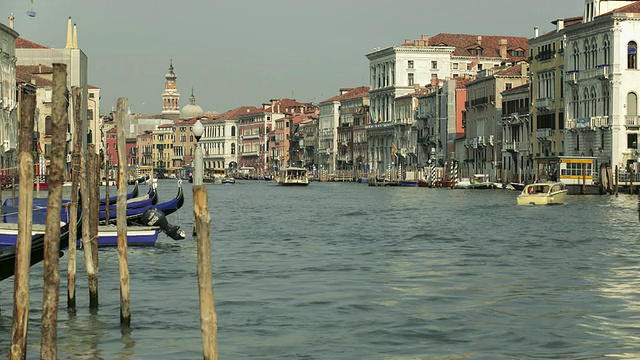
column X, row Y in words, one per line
column 170, row 96
column 593, row 8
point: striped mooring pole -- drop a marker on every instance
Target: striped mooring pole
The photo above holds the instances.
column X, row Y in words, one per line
column 454, row 174
column 432, row 180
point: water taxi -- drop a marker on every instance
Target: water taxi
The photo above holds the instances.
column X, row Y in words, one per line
column 293, row 176
column 547, row 193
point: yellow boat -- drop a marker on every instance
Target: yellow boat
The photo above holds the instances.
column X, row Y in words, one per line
column 547, row 193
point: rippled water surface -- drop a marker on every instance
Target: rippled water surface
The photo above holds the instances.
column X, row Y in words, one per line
column 348, row 271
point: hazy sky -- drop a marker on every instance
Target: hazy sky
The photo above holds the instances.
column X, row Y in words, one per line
column 236, row 53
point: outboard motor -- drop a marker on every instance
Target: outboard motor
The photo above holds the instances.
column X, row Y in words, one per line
column 155, row 217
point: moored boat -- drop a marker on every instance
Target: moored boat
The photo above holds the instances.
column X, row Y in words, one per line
column 293, row 176
column 548, row 193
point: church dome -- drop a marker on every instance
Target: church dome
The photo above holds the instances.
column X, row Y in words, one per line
column 191, row 110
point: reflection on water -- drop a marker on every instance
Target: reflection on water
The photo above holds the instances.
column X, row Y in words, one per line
column 347, row 271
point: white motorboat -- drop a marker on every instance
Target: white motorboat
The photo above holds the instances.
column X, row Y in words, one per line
column 547, row 193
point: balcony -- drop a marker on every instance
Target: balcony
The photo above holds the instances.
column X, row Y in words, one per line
column 509, row 146
column 524, row 146
column 572, row 77
column 249, row 153
column 632, row 121
column 544, row 104
column 250, row 137
column 544, row 133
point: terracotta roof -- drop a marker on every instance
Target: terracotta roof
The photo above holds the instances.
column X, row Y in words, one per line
column 490, row 44
column 511, row 71
column 516, row 88
column 567, row 23
column 233, row 114
column 22, row 43
column 92, row 87
column 631, row 8
column 28, row 73
column 359, row 92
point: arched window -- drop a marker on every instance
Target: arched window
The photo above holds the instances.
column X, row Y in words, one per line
column 233, row 131
column 594, row 53
column 585, row 103
column 632, row 104
column 594, row 101
column 47, row 126
column 632, row 55
column 576, row 57
column 587, row 55
column 233, row 148
column 606, row 51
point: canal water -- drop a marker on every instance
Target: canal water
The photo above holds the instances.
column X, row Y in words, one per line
column 348, row 271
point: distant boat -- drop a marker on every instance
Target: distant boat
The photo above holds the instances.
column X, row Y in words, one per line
column 293, row 176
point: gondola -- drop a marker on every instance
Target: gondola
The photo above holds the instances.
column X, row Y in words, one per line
column 8, row 252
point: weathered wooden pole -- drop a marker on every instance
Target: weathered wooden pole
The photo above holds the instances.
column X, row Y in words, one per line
column 18, row 350
column 584, row 179
column 95, row 207
column 48, row 346
column 76, row 96
column 616, row 183
column 208, row 318
column 121, row 215
column 88, row 215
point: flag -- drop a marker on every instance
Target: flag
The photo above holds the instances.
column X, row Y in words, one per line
column 394, row 149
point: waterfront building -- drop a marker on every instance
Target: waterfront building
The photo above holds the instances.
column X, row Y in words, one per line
column 515, row 127
column 330, row 119
column 439, row 122
column 93, row 117
column 603, row 83
column 255, row 124
column 144, row 143
column 220, row 142
column 308, row 140
column 8, row 91
column 483, row 109
column 395, row 70
column 31, row 53
column 547, row 113
column 163, row 140
column 183, row 148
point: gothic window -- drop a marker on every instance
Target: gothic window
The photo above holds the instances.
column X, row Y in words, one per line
column 632, row 55
column 47, row 126
column 632, row 104
column 233, row 149
column 606, row 51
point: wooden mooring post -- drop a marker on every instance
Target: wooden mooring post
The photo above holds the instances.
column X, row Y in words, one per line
column 121, row 215
column 48, row 345
column 208, row 317
column 616, row 180
column 76, row 96
column 18, row 348
column 90, row 212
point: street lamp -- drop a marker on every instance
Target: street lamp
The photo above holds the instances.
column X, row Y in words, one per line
column 198, row 167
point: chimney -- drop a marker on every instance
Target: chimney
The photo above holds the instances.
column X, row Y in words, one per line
column 559, row 25
column 425, row 38
column 536, row 32
column 503, row 48
column 11, row 18
column 479, row 40
column 524, row 69
column 407, row 41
